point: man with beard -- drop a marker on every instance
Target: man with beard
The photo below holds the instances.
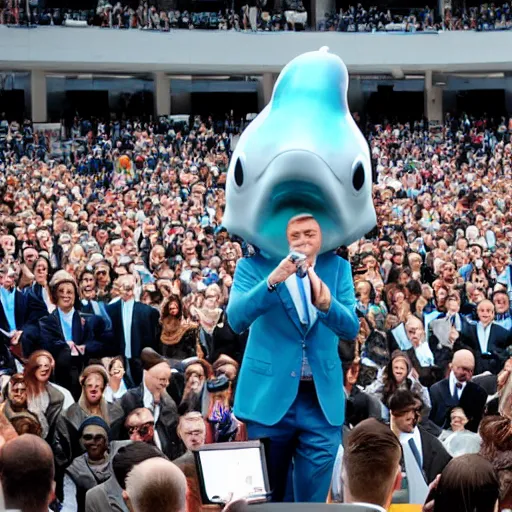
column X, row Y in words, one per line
column 195, row 395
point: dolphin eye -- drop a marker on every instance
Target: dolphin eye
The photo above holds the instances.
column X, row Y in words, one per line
column 239, row 173
column 358, row 177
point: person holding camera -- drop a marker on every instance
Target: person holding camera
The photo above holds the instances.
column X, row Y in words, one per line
column 290, row 388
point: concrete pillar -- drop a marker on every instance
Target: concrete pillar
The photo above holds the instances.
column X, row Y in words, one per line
column 265, row 89
column 319, row 8
column 162, row 94
column 433, row 100
column 38, row 96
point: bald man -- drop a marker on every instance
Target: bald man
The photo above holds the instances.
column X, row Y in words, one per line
column 156, row 485
column 487, row 340
column 26, row 463
column 458, row 390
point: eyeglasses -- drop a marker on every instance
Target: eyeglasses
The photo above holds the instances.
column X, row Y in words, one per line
column 143, row 429
column 101, row 273
column 90, row 437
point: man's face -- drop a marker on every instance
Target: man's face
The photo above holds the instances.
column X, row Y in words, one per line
column 30, row 257
column 94, row 385
column 305, row 237
column 453, row 306
column 126, row 287
column 406, row 420
column 88, row 282
column 501, row 303
column 195, row 377
column 449, row 272
column 141, row 428
column 463, row 370
column 18, row 395
column 485, row 312
column 415, row 332
column 193, row 434
column 8, row 244
column 102, row 275
column 158, row 378
column 94, row 443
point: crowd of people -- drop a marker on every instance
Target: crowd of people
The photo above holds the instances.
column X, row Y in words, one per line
column 252, row 16
column 257, row 16
column 116, row 273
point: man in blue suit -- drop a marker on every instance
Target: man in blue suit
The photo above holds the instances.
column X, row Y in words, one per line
column 290, row 387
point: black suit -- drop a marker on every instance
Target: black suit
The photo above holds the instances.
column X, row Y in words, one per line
column 145, row 332
column 28, row 310
column 435, row 456
column 499, row 340
column 472, row 400
column 67, row 367
column 166, row 424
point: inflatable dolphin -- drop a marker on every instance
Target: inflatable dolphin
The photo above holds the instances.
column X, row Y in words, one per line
column 302, row 154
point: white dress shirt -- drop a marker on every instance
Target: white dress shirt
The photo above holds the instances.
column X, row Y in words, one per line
column 293, row 288
column 416, row 436
column 453, row 385
column 127, row 314
column 149, row 403
column 483, row 334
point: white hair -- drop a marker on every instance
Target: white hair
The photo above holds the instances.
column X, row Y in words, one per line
column 157, row 485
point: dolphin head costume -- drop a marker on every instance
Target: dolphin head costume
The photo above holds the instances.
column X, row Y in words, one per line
column 302, row 154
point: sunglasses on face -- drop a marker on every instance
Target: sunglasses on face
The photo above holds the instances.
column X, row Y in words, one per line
column 143, row 429
column 90, row 437
column 101, row 273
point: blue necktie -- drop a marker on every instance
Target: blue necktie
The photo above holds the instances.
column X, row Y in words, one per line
column 305, row 303
column 415, row 452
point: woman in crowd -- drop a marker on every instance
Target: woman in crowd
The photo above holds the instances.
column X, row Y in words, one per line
column 116, row 387
column 43, row 398
column 398, row 374
column 179, row 338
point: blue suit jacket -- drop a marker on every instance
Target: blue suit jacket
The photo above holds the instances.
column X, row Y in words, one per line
column 270, row 374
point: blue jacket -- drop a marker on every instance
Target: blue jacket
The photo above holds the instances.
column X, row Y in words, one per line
column 269, row 378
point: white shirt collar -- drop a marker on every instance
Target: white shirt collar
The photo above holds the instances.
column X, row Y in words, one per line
column 453, row 382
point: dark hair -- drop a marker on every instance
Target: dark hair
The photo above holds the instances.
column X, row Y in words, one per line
column 373, row 449
column 390, row 383
column 468, row 484
column 129, row 456
column 402, row 399
column 414, row 287
column 27, row 463
column 165, row 307
column 113, row 360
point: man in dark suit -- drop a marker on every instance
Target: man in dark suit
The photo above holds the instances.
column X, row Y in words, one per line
column 19, row 312
column 134, row 327
column 487, row 340
column 431, row 456
column 458, row 390
column 152, row 395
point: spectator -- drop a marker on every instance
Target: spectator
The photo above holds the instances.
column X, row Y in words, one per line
column 467, row 483
column 156, row 484
column 135, row 326
column 152, row 394
column 26, row 463
column 110, row 493
column 458, row 390
column 428, row 451
column 371, row 448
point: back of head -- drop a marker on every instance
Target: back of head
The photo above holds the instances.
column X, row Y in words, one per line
column 129, row 456
column 156, row 484
column 467, row 484
column 371, row 449
column 26, row 463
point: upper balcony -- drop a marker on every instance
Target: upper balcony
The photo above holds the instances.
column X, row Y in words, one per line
column 92, row 49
